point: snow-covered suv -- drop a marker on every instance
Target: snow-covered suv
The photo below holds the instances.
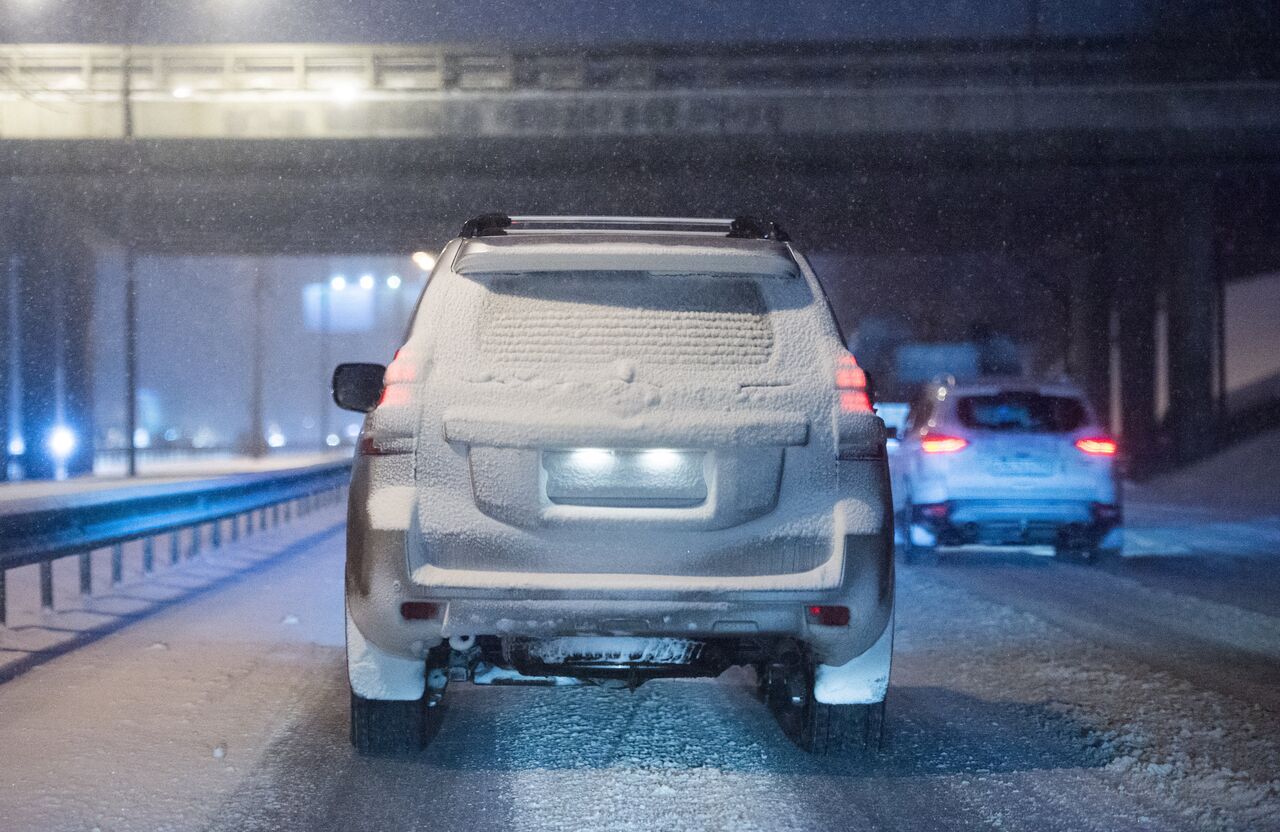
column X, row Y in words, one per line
column 614, row 449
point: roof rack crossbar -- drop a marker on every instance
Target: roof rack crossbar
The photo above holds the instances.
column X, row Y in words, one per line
column 749, row 228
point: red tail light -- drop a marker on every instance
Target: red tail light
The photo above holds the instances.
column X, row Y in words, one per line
column 1097, row 446
column 939, row 444
column 830, row 616
column 851, row 382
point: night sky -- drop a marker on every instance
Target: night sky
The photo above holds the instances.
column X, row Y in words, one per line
column 563, row 22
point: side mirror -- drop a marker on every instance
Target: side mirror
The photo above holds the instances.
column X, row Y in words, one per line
column 358, row 386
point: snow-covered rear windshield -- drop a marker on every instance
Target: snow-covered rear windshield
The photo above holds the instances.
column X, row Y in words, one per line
column 646, row 317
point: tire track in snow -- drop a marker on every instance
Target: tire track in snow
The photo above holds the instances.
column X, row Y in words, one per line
column 671, row 755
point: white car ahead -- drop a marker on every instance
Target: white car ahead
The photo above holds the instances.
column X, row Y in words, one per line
column 1006, row 462
column 612, row 450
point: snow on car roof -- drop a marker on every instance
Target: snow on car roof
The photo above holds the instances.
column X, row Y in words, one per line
column 624, row 252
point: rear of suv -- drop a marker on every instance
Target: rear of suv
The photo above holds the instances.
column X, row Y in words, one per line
column 611, row 450
column 1006, row 462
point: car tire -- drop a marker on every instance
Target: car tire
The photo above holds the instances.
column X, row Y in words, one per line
column 850, row 731
column 1075, row 554
column 389, row 726
column 913, row 553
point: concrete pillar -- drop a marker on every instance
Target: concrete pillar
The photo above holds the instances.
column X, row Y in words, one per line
column 1089, row 362
column 54, row 291
column 7, row 320
column 6, row 372
column 1130, row 251
column 1192, row 334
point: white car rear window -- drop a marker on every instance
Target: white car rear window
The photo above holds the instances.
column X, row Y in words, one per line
column 1021, row 412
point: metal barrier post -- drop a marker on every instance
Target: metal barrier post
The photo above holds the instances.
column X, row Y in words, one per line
column 215, row 534
column 117, row 563
column 86, row 573
column 148, row 554
column 173, row 547
column 196, row 539
column 46, row 585
column 4, row 612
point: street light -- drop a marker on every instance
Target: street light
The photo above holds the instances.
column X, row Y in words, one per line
column 62, row 444
column 424, row 260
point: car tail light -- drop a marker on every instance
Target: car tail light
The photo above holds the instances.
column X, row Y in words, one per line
column 1097, row 446
column 940, row 444
column 829, row 616
column 933, row 511
column 851, row 383
column 418, row 610
column 1106, row 512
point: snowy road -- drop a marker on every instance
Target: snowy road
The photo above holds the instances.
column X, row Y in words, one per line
column 1026, row 694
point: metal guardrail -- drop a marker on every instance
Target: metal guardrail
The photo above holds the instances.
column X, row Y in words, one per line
column 35, row 532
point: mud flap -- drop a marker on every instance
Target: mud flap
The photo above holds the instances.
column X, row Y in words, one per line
column 861, row 681
column 376, row 674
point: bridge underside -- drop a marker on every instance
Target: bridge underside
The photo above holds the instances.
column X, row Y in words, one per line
column 1078, row 240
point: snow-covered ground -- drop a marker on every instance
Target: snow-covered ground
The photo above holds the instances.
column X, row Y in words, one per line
column 1027, row 694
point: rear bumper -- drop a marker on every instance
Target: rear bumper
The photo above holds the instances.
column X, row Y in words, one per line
column 1017, row 522
column 562, row 595
column 378, row 585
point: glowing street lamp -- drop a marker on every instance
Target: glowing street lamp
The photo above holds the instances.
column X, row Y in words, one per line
column 424, row 260
column 62, row 444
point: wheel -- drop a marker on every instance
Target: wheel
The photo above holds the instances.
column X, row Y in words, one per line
column 913, row 553
column 849, row 731
column 1076, row 554
column 846, row 730
column 389, row 726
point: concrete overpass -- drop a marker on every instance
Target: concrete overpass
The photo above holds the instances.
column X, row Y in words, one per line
column 1122, row 177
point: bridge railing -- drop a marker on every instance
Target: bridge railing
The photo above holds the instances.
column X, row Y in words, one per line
column 43, row 530
column 87, row 71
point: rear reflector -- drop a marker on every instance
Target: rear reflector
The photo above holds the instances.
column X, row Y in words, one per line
column 830, row 616
column 1097, row 446
column 1106, row 512
column 418, row 610
column 384, row 446
column 933, row 511
column 938, row 444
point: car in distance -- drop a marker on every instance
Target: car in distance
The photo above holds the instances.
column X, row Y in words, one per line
column 612, row 450
column 997, row 462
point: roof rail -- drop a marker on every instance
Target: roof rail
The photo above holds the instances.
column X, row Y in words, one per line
column 745, row 228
